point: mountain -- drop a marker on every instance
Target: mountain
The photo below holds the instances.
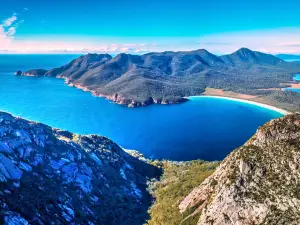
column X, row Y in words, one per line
column 79, row 66
column 257, row 183
column 246, row 57
column 50, row 176
column 168, row 77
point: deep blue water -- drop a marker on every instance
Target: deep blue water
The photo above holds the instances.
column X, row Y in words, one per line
column 205, row 128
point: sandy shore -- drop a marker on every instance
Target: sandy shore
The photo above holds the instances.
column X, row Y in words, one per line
column 282, row 111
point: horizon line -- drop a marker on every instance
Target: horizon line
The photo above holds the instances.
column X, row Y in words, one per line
column 83, row 52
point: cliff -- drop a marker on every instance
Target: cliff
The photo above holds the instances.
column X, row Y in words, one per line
column 257, row 183
column 49, row 176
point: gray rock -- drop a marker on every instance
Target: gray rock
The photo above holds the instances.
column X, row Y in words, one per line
column 256, row 184
column 8, row 169
column 46, row 177
column 14, row 219
column 4, row 148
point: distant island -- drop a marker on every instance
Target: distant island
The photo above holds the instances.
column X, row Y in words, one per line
column 169, row 77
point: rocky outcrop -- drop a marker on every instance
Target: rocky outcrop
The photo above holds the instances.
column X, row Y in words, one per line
column 32, row 73
column 18, row 73
column 138, row 103
column 127, row 101
column 256, row 184
column 49, row 176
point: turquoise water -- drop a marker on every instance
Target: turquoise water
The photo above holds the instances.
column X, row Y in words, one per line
column 296, row 78
column 204, row 128
column 293, row 89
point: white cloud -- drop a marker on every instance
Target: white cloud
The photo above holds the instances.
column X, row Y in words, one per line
column 11, row 31
column 45, row 46
column 284, row 40
column 8, row 29
column 26, row 9
column 4, row 38
column 9, row 21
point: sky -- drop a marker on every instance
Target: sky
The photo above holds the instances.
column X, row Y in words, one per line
column 139, row 26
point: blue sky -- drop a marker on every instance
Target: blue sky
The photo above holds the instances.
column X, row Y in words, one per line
column 139, row 26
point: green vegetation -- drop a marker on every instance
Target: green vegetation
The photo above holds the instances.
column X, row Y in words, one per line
column 283, row 99
column 177, row 181
column 261, row 176
column 167, row 77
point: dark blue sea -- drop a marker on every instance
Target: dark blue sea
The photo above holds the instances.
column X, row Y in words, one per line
column 202, row 128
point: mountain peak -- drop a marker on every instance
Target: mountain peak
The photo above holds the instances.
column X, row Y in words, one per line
column 243, row 49
column 246, row 57
column 202, row 50
column 245, row 52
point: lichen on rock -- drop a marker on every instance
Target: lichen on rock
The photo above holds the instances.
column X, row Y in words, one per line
column 49, row 176
column 257, row 183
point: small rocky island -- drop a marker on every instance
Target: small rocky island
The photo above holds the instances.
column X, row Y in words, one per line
column 169, row 77
column 50, row 176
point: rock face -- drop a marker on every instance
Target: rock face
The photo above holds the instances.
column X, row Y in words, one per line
column 168, row 77
column 49, row 176
column 256, row 184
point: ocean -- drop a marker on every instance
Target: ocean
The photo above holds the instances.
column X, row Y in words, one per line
column 203, row 128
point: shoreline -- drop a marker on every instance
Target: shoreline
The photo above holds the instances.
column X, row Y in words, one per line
column 273, row 108
column 126, row 102
column 133, row 104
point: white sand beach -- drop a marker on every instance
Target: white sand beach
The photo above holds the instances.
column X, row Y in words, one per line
column 282, row 111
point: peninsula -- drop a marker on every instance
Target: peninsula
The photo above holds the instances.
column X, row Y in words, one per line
column 169, row 77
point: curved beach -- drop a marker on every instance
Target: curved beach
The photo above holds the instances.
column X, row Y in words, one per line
column 282, row 111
